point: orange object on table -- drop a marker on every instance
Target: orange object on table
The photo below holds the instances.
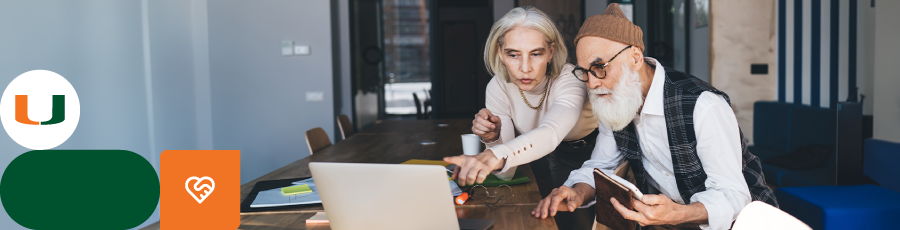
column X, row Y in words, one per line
column 462, row 198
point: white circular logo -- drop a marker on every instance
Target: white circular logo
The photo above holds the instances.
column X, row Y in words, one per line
column 39, row 109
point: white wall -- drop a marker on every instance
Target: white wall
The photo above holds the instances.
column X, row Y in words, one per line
column 170, row 78
column 887, row 79
column 172, row 75
column 258, row 96
column 866, row 45
column 741, row 34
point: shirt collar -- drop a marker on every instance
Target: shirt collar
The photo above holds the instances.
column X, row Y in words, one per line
column 653, row 104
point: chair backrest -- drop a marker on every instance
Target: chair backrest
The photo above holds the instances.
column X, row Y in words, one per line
column 345, row 125
column 317, row 139
column 418, row 107
column 771, row 126
column 426, row 104
column 784, row 127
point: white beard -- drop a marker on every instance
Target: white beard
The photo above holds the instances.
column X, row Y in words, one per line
column 618, row 109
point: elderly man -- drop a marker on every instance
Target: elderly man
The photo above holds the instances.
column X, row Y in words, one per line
column 677, row 132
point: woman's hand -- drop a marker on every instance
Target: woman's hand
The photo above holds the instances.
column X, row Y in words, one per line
column 486, row 125
column 474, row 169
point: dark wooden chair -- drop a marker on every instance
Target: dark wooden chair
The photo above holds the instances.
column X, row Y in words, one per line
column 418, row 106
column 422, row 112
column 346, row 127
column 317, row 139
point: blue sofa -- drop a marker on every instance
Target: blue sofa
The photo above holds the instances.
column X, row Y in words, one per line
column 856, row 206
column 879, row 163
column 842, row 207
column 780, row 128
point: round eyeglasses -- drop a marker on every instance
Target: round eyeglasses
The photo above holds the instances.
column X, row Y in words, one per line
column 596, row 69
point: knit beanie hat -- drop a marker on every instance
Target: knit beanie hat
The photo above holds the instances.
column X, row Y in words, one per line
column 612, row 25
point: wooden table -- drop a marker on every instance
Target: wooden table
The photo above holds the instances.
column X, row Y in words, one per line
column 457, row 126
column 396, row 142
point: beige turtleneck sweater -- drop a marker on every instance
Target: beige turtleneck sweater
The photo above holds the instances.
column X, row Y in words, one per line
column 528, row 134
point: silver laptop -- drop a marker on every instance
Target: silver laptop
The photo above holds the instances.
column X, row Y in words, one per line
column 388, row 196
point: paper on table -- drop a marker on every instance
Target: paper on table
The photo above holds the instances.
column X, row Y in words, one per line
column 304, row 181
column 454, row 188
column 275, row 198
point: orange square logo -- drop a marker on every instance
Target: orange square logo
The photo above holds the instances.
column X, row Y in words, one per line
column 200, row 189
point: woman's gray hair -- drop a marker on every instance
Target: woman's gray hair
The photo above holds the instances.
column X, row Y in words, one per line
column 528, row 17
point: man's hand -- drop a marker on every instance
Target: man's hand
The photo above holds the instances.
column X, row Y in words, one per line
column 474, row 169
column 563, row 199
column 660, row 210
column 486, row 125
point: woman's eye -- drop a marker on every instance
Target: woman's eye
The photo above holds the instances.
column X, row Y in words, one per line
column 513, row 55
column 535, row 55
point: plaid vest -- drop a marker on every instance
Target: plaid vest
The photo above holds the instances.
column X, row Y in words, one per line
column 680, row 93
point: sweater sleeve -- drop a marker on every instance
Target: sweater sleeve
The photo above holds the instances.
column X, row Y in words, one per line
column 497, row 102
column 568, row 96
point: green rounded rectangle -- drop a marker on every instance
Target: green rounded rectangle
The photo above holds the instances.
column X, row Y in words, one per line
column 81, row 189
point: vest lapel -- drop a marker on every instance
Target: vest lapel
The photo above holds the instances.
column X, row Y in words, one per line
column 679, row 113
column 627, row 141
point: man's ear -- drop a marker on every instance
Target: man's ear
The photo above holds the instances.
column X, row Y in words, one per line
column 638, row 58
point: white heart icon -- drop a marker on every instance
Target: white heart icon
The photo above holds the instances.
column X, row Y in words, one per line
column 198, row 188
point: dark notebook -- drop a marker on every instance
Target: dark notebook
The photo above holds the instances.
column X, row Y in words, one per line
column 606, row 188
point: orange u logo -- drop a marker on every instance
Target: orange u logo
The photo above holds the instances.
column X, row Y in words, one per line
column 59, row 110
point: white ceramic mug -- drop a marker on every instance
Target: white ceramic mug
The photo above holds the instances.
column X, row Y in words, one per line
column 471, row 144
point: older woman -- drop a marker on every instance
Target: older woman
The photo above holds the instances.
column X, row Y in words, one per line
column 535, row 107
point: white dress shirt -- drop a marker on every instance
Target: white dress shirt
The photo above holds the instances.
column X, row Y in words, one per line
column 718, row 147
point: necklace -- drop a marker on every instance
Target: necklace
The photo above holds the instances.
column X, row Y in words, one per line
column 546, row 89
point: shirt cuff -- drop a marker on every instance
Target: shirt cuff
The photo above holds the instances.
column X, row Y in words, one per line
column 578, row 176
column 490, row 142
column 593, row 202
column 589, row 203
column 503, row 152
column 507, row 174
column 719, row 213
column 574, row 178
